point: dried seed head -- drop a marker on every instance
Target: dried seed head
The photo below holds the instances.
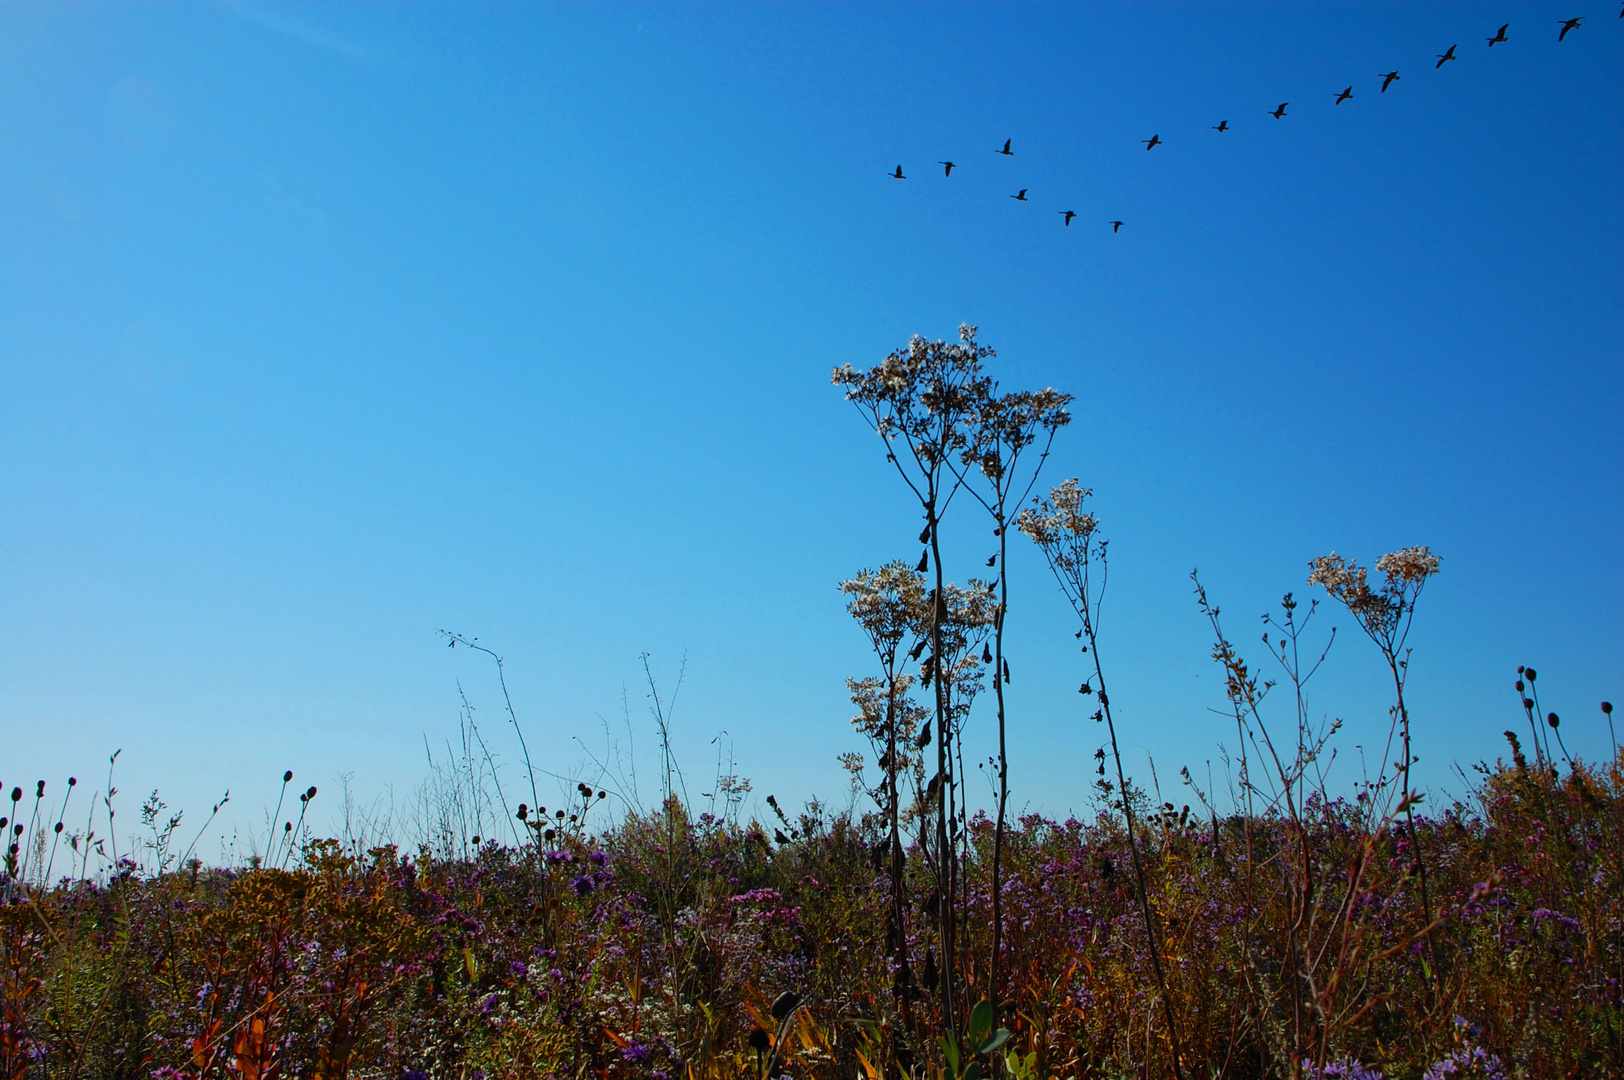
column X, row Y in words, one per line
column 1532, row 675
column 1553, row 720
column 1607, row 707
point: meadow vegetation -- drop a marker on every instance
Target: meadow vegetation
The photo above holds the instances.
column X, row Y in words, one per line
column 1278, row 927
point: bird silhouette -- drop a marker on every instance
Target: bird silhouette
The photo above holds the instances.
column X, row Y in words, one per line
column 986, row 654
column 1444, row 58
column 918, row 648
column 1068, row 215
column 1499, row 36
column 1569, row 24
column 1153, row 142
column 778, row 834
column 1281, row 111
column 1223, row 125
column 947, row 171
column 1006, row 151
column 1344, row 95
column 1116, row 226
column 898, row 174
column 1388, row 80
column 1020, row 196
column 924, row 562
column 924, row 737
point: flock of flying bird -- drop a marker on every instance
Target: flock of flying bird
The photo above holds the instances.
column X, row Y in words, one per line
column 1388, row 78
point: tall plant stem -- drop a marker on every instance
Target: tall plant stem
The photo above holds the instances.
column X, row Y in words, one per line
column 1003, row 768
column 1393, row 665
column 1133, row 853
column 944, row 852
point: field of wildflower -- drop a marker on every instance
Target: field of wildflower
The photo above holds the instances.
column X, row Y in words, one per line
column 1271, row 929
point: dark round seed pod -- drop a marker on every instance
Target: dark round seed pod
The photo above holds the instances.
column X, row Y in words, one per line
column 1530, row 673
column 1553, row 720
column 1607, row 707
column 287, row 777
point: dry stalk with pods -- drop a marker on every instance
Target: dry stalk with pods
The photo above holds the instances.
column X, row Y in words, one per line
column 1385, row 615
column 887, row 603
column 1007, row 427
column 922, row 401
column 1069, row 539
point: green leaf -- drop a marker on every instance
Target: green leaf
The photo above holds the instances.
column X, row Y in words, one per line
column 999, row 1038
column 973, row 1072
column 980, row 1022
column 950, row 1051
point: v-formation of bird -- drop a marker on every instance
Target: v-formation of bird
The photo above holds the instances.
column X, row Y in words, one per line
column 1388, row 78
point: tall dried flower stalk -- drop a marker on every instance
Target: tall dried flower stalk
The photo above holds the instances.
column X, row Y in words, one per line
column 1069, row 539
column 1385, row 615
column 922, row 401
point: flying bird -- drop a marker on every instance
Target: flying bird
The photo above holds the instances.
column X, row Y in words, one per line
column 1281, row 111
column 1223, row 125
column 1444, row 58
column 1006, row 151
column 1116, row 226
column 1020, row 196
column 1499, row 36
column 1569, row 24
column 1344, row 95
column 1388, row 80
column 898, row 174
column 947, row 171
column 1068, row 215
column 1153, row 142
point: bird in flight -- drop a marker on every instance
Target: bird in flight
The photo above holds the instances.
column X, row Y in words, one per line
column 1068, row 215
column 1344, row 95
column 1223, row 125
column 898, row 174
column 1116, row 226
column 1569, row 24
column 948, row 171
column 1006, row 151
column 1153, row 142
column 1499, row 36
column 1444, row 58
column 1019, row 196
column 1388, row 80
column 1281, row 111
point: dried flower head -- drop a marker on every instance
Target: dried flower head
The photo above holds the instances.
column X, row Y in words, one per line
column 1383, row 613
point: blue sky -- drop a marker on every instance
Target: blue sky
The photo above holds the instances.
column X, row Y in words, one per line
column 322, row 328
